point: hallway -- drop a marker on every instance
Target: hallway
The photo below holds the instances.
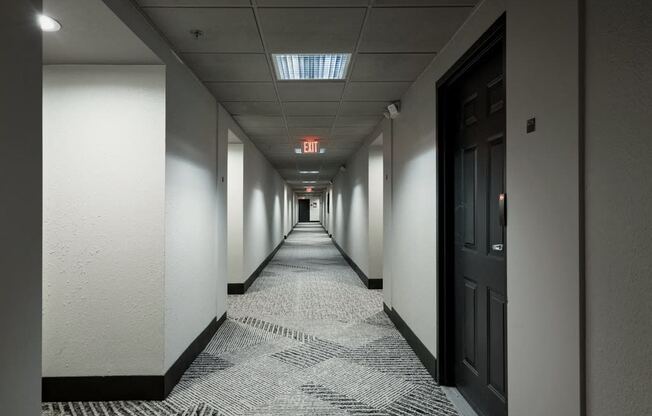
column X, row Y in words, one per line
column 307, row 338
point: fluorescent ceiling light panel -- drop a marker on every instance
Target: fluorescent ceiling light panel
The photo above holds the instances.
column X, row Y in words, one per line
column 309, row 181
column 311, row 66
column 308, row 171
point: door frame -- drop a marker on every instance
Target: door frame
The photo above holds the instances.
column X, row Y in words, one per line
column 445, row 185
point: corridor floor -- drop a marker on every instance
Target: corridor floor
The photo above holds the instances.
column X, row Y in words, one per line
column 306, row 339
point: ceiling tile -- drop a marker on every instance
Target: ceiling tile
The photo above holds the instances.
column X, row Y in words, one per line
column 339, row 138
column 412, row 29
column 372, row 91
column 344, row 144
column 258, row 108
column 297, row 133
column 307, row 121
column 353, row 130
column 469, row 3
column 311, row 29
column 323, row 108
column 275, row 148
column 229, row 67
column 264, row 130
column 194, row 3
column 346, row 121
column 263, row 138
column 242, row 91
column 224, row 29
column 308, row 3
column 310, row 91
column 259, row 121
column 390, row 67
column 363, row 108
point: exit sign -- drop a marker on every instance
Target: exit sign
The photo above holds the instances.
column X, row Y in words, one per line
column 310, row 147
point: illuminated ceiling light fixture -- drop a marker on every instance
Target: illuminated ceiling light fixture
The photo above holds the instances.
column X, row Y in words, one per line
column 308, row 181
column 306, row 172
column 311, row 66
column 297, row 150
column 322, row 150
column 48, row 24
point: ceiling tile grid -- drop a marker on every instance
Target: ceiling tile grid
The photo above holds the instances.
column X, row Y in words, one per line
column 229, row 45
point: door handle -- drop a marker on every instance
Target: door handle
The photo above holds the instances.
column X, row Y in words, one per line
column 497, row 247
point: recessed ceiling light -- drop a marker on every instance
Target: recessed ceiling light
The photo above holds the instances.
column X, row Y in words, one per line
column 311, row 66
column 308, row 181
column 308, row 171
column 48, row 24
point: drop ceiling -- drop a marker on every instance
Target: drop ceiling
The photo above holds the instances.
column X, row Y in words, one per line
column 91, row 34
column 391, row 42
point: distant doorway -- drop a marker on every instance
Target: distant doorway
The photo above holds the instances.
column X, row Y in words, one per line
column 472, row 277
column 304, row 210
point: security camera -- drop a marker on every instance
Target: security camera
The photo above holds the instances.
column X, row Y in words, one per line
column 393, row 110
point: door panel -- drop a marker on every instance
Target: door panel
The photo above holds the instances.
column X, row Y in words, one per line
column 304, row 210
column 476, row 125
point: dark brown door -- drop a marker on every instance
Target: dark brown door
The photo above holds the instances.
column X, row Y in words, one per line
column 304, row 210
column 477, row 100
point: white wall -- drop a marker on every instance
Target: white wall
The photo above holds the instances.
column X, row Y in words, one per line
column 388, row 143
column 542, row 187
column 263, row 198
column 375, row 210
column 315, row 209
column 20, row 210
column 288, row 207
column 235, row 225
column 192, row 288
column 191, row 139
column 103, row 220
column 350, row 220
column 618, row 206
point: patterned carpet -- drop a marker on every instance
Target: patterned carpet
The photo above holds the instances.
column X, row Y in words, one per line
column 306, row 339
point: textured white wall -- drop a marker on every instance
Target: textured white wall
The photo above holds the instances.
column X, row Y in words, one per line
column 263, row 193
column 375, row 211
column 190, row 204
column 542, row 187
column 235, row 226
column 386, row 127
column 315, row 209
column 103, row 220
column 20, row 210
column 618, row 207
column 350, row 226
column 543, row 313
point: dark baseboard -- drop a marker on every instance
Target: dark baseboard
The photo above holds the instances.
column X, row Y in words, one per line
column 424, row 355
column 175, row 372
column 111, row 388
column 235, row 288
column 241, row 288
column 78, row 389
column 369, row 283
